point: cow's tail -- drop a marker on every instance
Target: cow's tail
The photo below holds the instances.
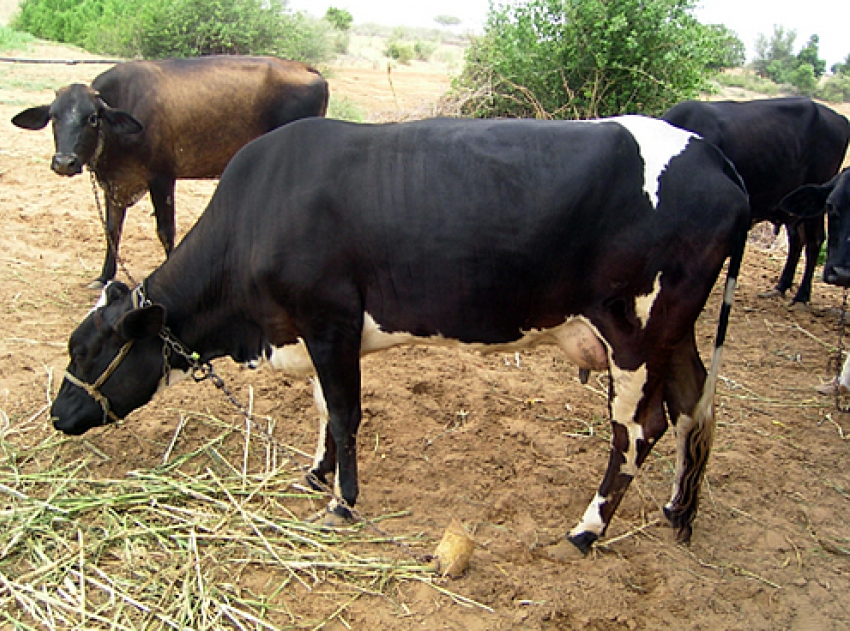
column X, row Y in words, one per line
column 701, row 436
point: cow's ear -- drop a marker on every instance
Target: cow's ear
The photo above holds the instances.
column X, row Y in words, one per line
column 140, row 324
column 33, row 118
column 122, row 122
column 808, row 200
column 115, row 290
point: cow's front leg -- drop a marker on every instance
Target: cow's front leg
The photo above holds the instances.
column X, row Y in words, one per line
column 114, row 224
column 336, row 357
column 162, row 195
column 813, row 235
column 324, row 462
column 640, row 401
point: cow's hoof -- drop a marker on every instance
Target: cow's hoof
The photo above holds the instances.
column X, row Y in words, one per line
column 316, row 481
column 96, row 284
column 771, row 293
column 337, row 518
column 583, row 541
column 831, row 388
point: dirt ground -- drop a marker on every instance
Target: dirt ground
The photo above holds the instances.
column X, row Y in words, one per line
column 512, row 446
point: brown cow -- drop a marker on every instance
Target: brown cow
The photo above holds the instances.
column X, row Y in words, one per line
column 144, row 124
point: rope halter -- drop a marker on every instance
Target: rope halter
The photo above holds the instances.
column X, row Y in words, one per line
column 93, row 389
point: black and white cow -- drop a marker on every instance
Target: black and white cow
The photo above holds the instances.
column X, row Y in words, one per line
column 777, row 145
column 328, row 240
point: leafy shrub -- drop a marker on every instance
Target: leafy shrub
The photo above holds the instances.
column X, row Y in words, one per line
column 749, row 81
column 588, row 58
column 400, row 51
column 178, row 28
column 11, row 39
column 836, row 89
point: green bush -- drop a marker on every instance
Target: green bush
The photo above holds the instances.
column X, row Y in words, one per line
column 588, row 58
column 400, row 51
column 11, row 39
column 836, row 89
column 154, row 29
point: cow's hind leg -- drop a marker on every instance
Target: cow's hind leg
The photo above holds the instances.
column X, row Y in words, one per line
column 162, row 196
column 694, row 429
column 639, row 400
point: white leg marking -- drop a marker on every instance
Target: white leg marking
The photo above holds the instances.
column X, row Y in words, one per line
column 628, row 391
column 683, row 428
column 643, row 304
column 591, row 521
column 322, row 409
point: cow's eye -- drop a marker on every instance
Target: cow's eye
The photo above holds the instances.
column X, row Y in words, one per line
column 830, row 209
column 94, row 120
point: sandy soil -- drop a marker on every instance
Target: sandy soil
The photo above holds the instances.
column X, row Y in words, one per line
column 513, row 447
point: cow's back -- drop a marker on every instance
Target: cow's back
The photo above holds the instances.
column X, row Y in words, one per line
column 777, row 145
column 431, row 218
column 199, row 112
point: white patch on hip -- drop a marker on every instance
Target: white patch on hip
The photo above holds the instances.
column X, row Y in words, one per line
column 643, row 304
column 658, row 142
column 591, row 521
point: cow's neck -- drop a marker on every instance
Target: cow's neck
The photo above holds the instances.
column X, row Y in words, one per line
column 203, row 310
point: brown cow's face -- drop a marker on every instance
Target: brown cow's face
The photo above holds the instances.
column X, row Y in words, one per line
column 77, row 115
column 81, row 123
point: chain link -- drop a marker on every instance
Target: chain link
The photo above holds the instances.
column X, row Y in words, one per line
column 110, row 244
column 836, row 362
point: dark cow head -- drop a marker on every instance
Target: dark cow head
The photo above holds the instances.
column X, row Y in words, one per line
column 117, row 363
column 79, row 116
column 834, row 199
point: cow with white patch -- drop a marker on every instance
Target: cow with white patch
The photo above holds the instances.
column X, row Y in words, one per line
column 328, row 240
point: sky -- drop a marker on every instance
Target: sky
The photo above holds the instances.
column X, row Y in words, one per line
column 748, row 18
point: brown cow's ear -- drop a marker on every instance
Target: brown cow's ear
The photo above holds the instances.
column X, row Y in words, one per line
column 808, row 200
column 122, row 122
column 33, row 118
column 143, row 323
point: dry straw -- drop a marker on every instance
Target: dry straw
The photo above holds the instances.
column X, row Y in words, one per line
column 206, row 540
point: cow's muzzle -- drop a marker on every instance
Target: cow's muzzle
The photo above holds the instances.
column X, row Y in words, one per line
column 837, row 275
column 66, row 164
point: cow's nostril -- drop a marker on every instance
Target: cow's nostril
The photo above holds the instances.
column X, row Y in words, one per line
column 65, row 164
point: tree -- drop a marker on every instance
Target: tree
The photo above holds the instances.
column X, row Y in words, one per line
column 809, row 55
column 447, row 20
column 340, row 19
column 774, row 57
column 588, row 58
column 842, row 67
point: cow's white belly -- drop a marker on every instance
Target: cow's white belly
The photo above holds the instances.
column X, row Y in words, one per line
column 576, row 337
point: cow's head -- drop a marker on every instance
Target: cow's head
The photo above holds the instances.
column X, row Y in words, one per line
column 79, row 118
column 834, row 199
column 117, row 362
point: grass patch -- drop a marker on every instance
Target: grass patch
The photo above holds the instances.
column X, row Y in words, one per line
column 12, row 40
column 343, row 108
column 206, row 540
